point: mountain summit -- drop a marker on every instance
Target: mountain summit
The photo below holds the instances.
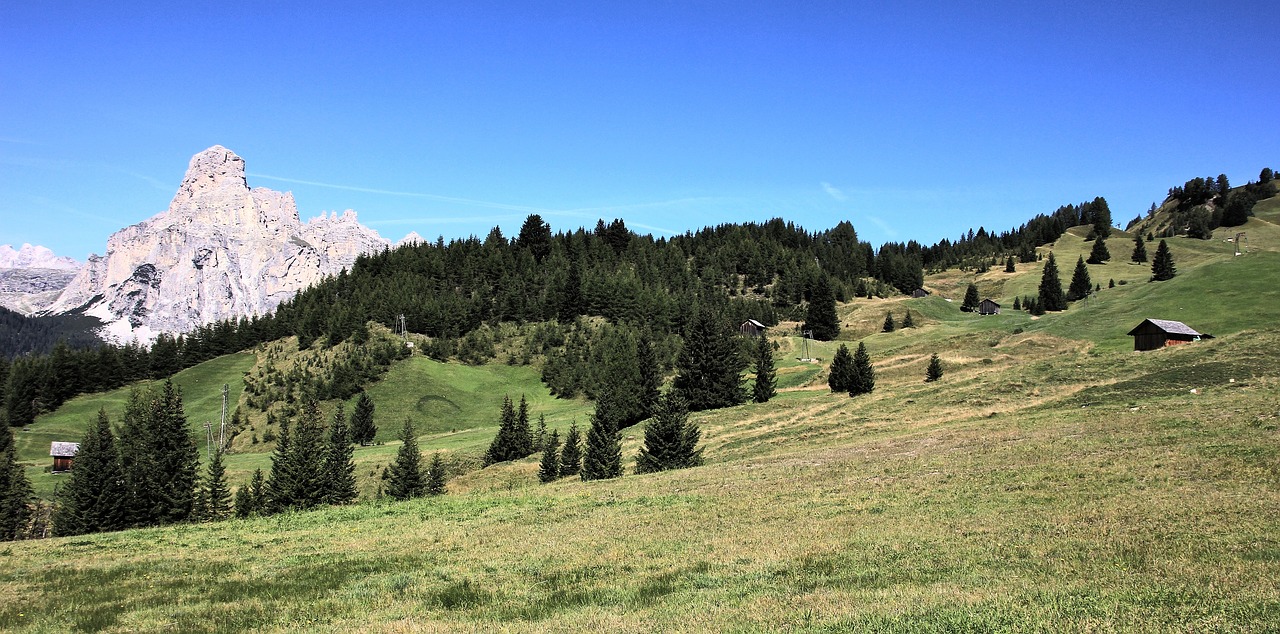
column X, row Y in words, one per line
column 222, row 250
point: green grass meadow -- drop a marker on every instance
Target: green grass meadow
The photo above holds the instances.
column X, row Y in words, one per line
column 1053, row 480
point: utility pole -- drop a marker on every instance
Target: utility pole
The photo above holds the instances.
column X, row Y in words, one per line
column 807, row 334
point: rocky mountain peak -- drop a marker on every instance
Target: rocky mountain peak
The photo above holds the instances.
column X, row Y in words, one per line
column 34, row 257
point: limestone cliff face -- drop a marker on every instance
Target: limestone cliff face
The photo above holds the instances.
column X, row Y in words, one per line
column 221, row 250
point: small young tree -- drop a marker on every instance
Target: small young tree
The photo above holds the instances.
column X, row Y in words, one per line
column 766, row 377
column 934, row 372
column 435, row 475
column 243, row 502
column 1162, row 265
column 603, row 456
column 907, row 321
column 1139, row 249
column 1051, row 295
column 971, row 299
column 216, row 494
column 1009, row 266
column 1017, row 303
column 670, row 442
column 1081, row 285
column 571, row 454
column 540, row 433
column 549, row 467
column 840, row 376
column 363, row 430
column 405, row 474
column 864, row 376
column 888, row 323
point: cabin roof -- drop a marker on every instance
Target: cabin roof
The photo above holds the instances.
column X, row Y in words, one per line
column 755, row 323
column 1169, row 326
column 64, row 449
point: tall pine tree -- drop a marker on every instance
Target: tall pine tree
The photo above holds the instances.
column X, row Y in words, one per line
column 709, row 368
column 339, row 463
column 602, row 458
column 766, row 377
column 670, row 441
column 821, row 317
column 1081, row 285
column 216, row 495
column 405, row 479
column 549, row 467
column 306, row 458
column 363, row 430
column 15, row 490
column 93, row 498
column 571, row 454
column 1051, row 296
column 840, row 375
column 175, row 456
column 1139, row 249
column 1162, row 267
column 864, row 376
column 278, row 491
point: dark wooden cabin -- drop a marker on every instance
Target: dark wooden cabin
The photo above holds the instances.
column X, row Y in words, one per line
column 752, row 328
column 988, row 307
column 919, row 292
column 1153, row 334
column 64, row 453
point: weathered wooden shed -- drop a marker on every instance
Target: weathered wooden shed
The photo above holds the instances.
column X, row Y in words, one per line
column 988, row 307
column 1153, row 334
column 919, row 292
column 752, row 328
column 64, row 453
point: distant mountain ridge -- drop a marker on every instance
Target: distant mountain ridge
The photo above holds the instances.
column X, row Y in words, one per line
column 34, row 257
column 222, row 250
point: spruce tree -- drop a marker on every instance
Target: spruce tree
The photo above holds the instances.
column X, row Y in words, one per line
column 549, row 467
column 405, row 479
column 279, row 485
column 1051, row 296
column 670, row 442
column 934, row 372
column 888, row 326
column 513, row 439
column 571, row 454
column 821, row 317
column 435, row 475
column 540, row 433
column 907, row 321
column 766, row 377
column 175, row 457
column 840, row 376
column 709, row 368
column 1099, row 253
column 1009, row 266
column 363, row 430
column 1081, row 285
column 1017, row 303
column 650, row 376
column 1162, row 265
column 136, row 462
column 602, row 458
column 216, row 496
column 258, row 492
column 864, row 376
column 306, row 458
column 243, row 502
column 339, row 463
column 93, row 498
column 16, row 493
column 971, row 299
column 524, row 432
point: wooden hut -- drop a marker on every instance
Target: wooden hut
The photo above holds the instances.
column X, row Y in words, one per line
column 988, row 307
column 918, row 293
column 64, row 453
column 752, row 328
column 1153, row 334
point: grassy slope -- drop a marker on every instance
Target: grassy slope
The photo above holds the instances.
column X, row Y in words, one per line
column 1054, row 480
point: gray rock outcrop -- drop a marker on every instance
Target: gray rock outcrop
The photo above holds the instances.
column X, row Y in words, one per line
column 221, row 250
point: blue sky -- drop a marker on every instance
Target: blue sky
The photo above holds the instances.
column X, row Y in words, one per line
column 913, row 121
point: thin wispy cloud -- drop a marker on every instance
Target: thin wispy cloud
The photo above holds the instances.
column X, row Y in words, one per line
column 833, row 191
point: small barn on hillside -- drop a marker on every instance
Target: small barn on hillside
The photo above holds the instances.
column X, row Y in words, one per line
column 988, row 307
column 64, row 453
column 1153, row 334
column 918, row 293
column 752, row 328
